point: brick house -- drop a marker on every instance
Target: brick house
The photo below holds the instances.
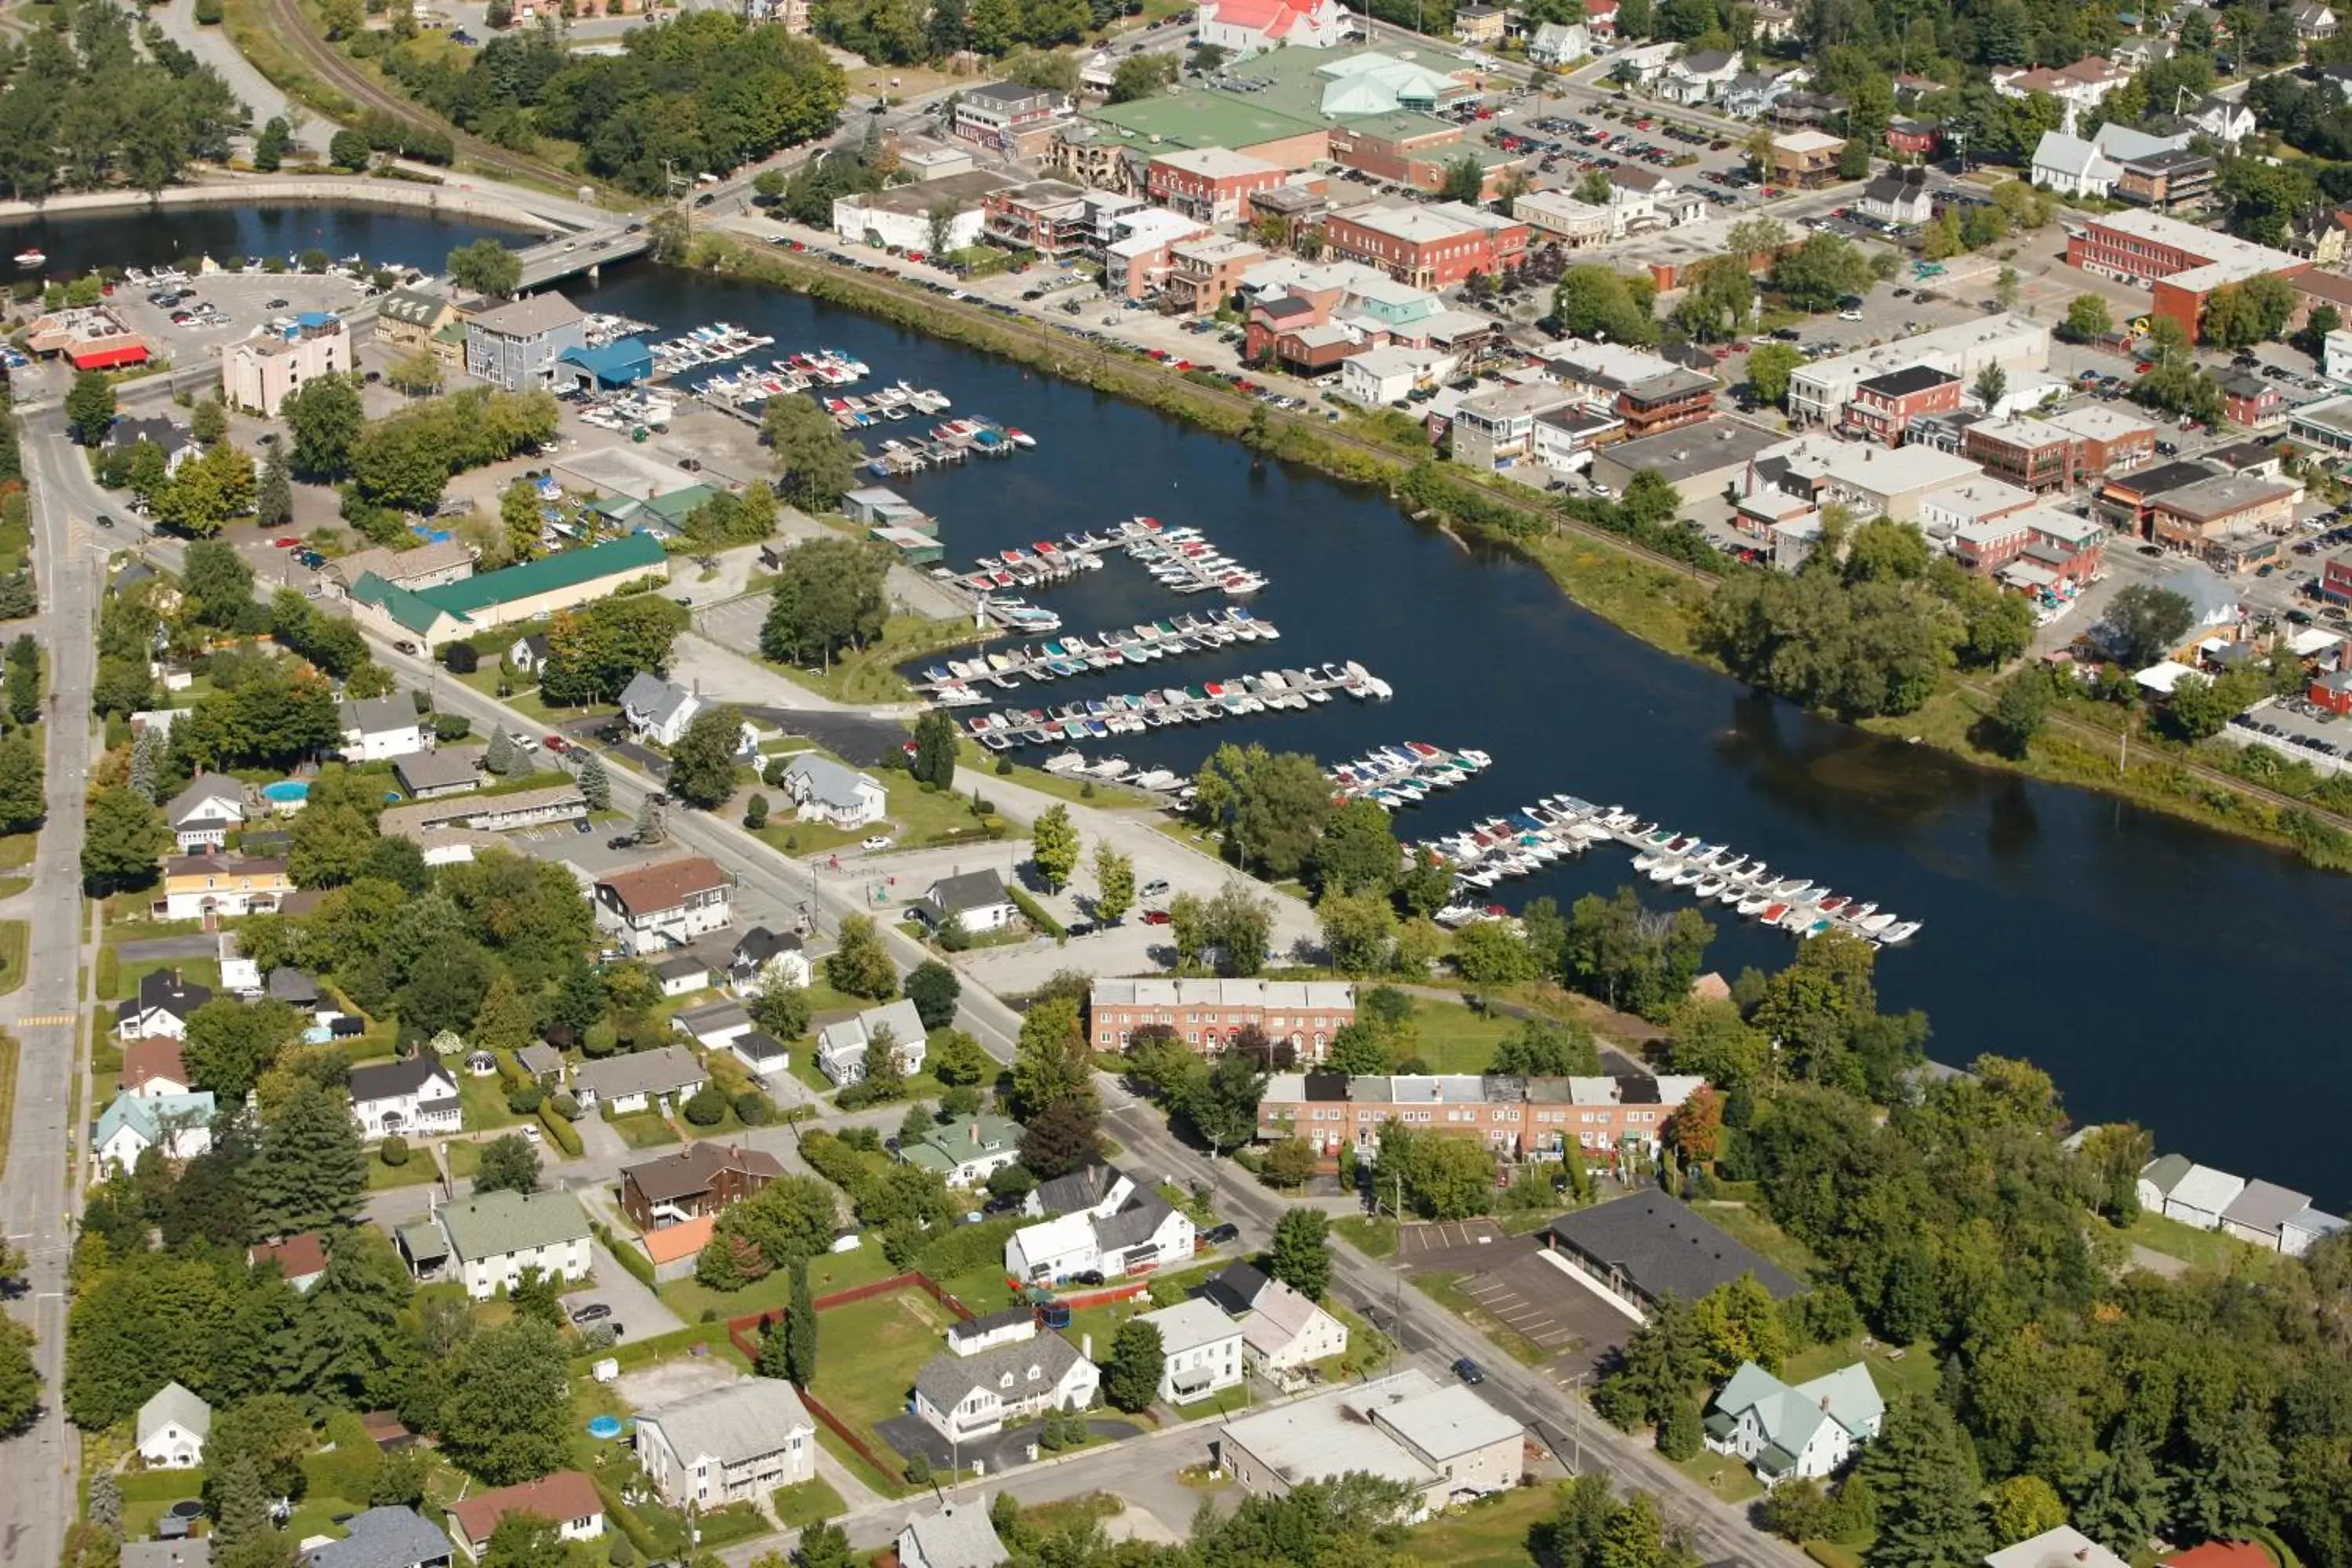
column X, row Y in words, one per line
column 1427, row 247
column 1885, row 405
column 699, row 1180
column 2032, row 453
column 1008, row 117
column 1214, row 184
column 1519, row 1118
column 1915, row 138
column 1202, row 274
column 1985, row 547
column 1207, row 1014
column 2248, row 400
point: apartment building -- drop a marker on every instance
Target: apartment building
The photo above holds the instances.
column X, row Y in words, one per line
column 1519, row 1118
column 1819, row 391
column 2198, row 517
column 264, row 370
column 1045, row 216
column 664, row 905
column 1207, row 1014
column 1214, row 184
column 2106, row 439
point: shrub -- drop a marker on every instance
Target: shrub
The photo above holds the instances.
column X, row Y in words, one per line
column 525, row 1099
column 559, row 1128
column 460, row 658
column 447, row 727
column 563, row 1105
column 393, row 1151
column 755, row 812
column 753, row 1108
column 707, row 1106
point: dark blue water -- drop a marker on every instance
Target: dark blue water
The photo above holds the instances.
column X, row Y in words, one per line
column 389, row 236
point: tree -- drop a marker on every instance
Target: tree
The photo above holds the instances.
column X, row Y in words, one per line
column 350, row 150
column 20, row 1381
column 815, row 463
column 2230, row 1488
column 801, row 1329
column 1540, row 1048
column 1054, row 846
column 1131, row 1376
column 1358, row 852
column 324, row 417
column 229, row 1044
column 1769, row 368
column 934, row 989
column 1062, row 1138
column 2124, row 1504
column 1223, row 1104
column 508, row 1414
column 1821, row 272
column 1301, row 1254
column 860, row 962
column 1238, row 924
column 1924, row 1472
column 958, row 1060
column 702, row 764
column 1114, row 884
column 504, row 1021
column 1991, row 384
column 523, row 1539
column 509, row 1165
column 2020, row 711
column 1357, row 932
column 2023, row 1507
column 595, row 783
column 273, row 501
column 270, row 1433
column 24, row 798
column 829, row 595
column 1141, row 76
column 935, row 749
column 1050, row 1062
column 1464, row 181
column 485, row 265
column 309, row 1171
column 89, row 408
column 2144, row 623
column 2087, row 319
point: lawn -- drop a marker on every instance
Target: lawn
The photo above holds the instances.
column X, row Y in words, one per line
column 8, row 1094
column 920, row 815
column 1896, row 1369
column 16, row 936
column 870, row 674
column 971, row 754
column 1722, row 1474
column 807, row 1502
column 201, row 971
column 644, row 1129
column 2199, row 1248
column 1489, row 1533
column 415, row 1172
column 1444, row 1288
column 1374, row 1236
column 1451, row 1038
column 1750, row 1224
column 868, row 1353
column 834, row 1271
column 482, row 1102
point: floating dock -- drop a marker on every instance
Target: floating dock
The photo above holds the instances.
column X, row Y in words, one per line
column 1273, row 690
column 1139, row 644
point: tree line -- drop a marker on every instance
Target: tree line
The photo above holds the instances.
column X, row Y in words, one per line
column 91, row 103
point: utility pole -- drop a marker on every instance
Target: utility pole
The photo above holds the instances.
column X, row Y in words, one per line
column 1575, row 1425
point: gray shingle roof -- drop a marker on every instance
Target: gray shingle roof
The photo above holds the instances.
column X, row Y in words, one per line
column 957, row 1536
column 739, row 1422
column 1659, row 1245
column 381, row 715
column 657, row 701
column 203, row 787
column 419, row 771
column 947, row 1379
column 1138, row 1223
column 172, row 1403
column 495, row 1224
column 384, row 1538
column 664, row 1070
column 829, row 783
column 972, row 890
column 390, row 1080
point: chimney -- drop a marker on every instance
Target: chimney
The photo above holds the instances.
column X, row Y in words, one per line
column 1086, row 1345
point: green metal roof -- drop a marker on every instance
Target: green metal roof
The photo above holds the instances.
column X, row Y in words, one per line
column 410, row 609
column 498, row 1223
column 676, row 506
column 565, row 569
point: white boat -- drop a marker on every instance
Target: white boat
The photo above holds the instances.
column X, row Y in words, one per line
column 1902, row 932
column 1709, row 888
column 33, row 258
column 1871, row 925
column 1755, row 906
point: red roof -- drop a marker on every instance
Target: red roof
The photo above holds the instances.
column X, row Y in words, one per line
column 1272, row 17
column 564, row 1496
column 157, row 1055
column 672, row 1242
column 1599, row 7
column 2222, row 1554
column 298, row 1257
column 108, row 358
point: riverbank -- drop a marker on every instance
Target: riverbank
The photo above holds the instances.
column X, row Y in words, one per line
column 1648, row 595
column 410, row 192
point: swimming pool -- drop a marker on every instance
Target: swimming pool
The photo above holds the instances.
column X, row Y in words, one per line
column 287, row 792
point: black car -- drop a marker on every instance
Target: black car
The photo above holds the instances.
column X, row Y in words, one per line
column 1087, row 1277
column 1469, row 1371
column 592, row 1313
column 621, row 841
column 1220, row 1235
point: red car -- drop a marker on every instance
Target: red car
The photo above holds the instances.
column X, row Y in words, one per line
column 558, row 743
column 1155, row 917
column 286, row 543
column 2142, row 367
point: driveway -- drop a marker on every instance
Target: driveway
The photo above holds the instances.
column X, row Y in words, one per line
column 635, row 1308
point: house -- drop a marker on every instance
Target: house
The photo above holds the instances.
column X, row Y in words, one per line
column 179, row 1125
column 2224, row 120
column 201, row 815
column 826, row 790
column 637, row 1081
column 841, row 1048
column 516, row 345
column 1898, row 197
column 409, row 1097
column 658, row 710
column 566, row 1500
column 152, row 1069
column 432, row 775
column 667, row 904
column 1810, row 1430
column 1252, row 27
column 1559, row 43
column 2259, row 1213
column 172, row 1548
column 761, row 1052
column 384, row 1538
column 378, row 728
column 1883, row 407
column 2198, row 1195
column 176, row 442
column 1096, row 1188
column 1283, row 1332
column 1447, row 1444
column 173, row 1426
column 2074, row 167
column 260, row 373
column 966, row 1396
column 957, row 1536
column 161, row 1007
column 407, row 319
column 301, row 1259
column 1144, row 1232
column 1698, row 76
column 764, row 958
column 2081, row 86
column 728, row 1445
column 967, row 1151
column 203, row 887
column 432, row 564
column 526, row 653
column 494, row 1237
column 2063, row 1547
column 976, row 900
column 714, row 1026
column 1199, row 1350
column 1641, row 1247
column 1914, row 138
column 2315, row 24
column 1805, row 158
column 542, row 1061
column 701, row 1179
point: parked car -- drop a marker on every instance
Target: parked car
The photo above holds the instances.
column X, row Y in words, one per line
column 1469, row 1371
column 594, row 1311
column 1155, row 888
column 877, row 841
column 1221, row 1235
column 1087, row 1277
column 1155, row 917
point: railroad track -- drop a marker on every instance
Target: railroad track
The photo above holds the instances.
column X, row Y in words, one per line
column 369, row 93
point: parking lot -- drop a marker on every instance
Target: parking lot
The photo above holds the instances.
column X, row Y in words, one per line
column 2297, row 729
column 1534, row 1299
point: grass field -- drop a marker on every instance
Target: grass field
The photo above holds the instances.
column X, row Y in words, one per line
column 833, row 1271
column 1492, row 1532
column 1896, row 1369
column 868, row 1353
column 644, row 1130
column 415, row 1172
column 2199, row 1248
column 807, row 1502
column 482, row 1101
column 1374, row 1236
column 16, row 936
column 1752, row 1225
column 870, row 674
column 1451, row 1038
column 1723, row 1475
column 971, row 754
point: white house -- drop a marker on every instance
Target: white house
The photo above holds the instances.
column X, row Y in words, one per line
column 162, row 1006
column 638, row 1080
column 966, row 1150
column 977, row 900
column 649, row 909
column 2260, row 1213
column 1558, row 43
column 1283, row 1333
column 1810, row 1430
column 1698, row 76
column 494, row 1237
column 1898, row 197
column 841, row 1048
column 1199, row 1350
column 681, row 975
column 763, row 958
column 567, row 1500
column 201, row 815
column 1380, row 376
column 411, row 1098
column 2074, row 167
column 1248, row 26
column 656, row 709
column 714, row 1026
column 728, row 1445
column 378, row 728
column 2226, row 121
column 173, row 1426
column 826, row 790
column 968, row 1396
column 1143, row 1234
column 181, row 1125
column 957, row 1536
column 153, row 1068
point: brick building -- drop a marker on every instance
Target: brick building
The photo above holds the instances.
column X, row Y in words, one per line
column 2181, row 263
column 1210, row 183
column 1883, row 407
column 1519, row 1118
column 2335, row 583
column 1045, row 216
column 1206, row 1015
column 2106, row 439
column 1203, row 274
column 2250, row 401
column 2033, row 453
column 1427, row 247
column 1007, row 117
column 2200, row 517
column 2126, row 502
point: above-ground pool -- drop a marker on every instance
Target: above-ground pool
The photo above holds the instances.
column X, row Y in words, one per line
column 604, row 1426
column 287, row 792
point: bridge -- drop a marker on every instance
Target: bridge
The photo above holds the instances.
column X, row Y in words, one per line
column 586, row 250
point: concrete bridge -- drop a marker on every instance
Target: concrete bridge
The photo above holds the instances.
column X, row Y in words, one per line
column 586, row 250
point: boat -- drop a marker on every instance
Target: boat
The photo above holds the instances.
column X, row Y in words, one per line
column 1902, row 932
column 33, row 257
column 1753, row 906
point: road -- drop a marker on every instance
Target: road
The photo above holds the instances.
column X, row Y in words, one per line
column 41, row 1189
column 212, row 46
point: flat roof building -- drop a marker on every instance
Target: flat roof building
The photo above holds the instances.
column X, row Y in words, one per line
column 1819, row 391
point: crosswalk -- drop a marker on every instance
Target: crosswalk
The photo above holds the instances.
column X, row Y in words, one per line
column 47, row 1021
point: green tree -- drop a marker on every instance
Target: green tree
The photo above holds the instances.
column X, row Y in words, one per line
column 20, row 1380
column 1301, row 1254
column 1769, row 368
column 1991, row 384
column 2020, row 711
column 702, row 764
column 595, row 783
column 324, row 418
column 1541, row 1047
column 1358, row 852
column 800, row 1334
column 2023, row 1507
column 1821, row 272
column 828, row 596
column 273, row 499
column 486, row 267
column 1464, row 181
column 230, row 1043
column 1223, row 1104
column 860, row 962
column 1358, row 931
column 89, row 408
column 523, row 1539
column 270, row 1433
column 2144, row 623
column 957, row 1060
column 935, row 749
column 2231, row 1487
column 508, row 1413
column 816, row 464
column 1141, row 76
column 2124, row 1504
column 24, row 798
column 308, row 1170
column 935, row 991
column 2087, row 319
column 1050, row 1063
column 1923, row 1473
column 122, row 842
column 1131, row 1376
column 1114, row 884
column 1054, row 846
column 504, row 1021
column 508, row 1164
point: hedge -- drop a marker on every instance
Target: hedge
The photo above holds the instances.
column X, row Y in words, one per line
column 110, row 972
column 1036, row 914
column 636, row 1262
column 567, row 1138
column 968, row 1247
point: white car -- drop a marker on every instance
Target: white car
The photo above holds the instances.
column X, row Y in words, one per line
column 879, row 841
column 1849, row 315
column 1603, row 491
column 530, row 1132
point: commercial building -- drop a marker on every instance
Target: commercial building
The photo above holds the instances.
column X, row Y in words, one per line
column 432, row 564
column 1212, row 184
column 2029, row 453
column 1446, row 1443
column 1432, row 246
column 1203, row 274
column 1819, row 391
column 516, row 345
column 2210, row 514
column 1043, row 215
column 562, row 581
column 1008, row 117
column 901, row 216
column 2179, row 263
column 1495, row 428
column 1138, row 249
column 1805, row 158
column 2106, row 439
column 1883, row 407
column 88, row 337
column 1519, row 1118
column 1699, row 460
column 1208, row 1015
column 266, row 369
column 1648, row 1246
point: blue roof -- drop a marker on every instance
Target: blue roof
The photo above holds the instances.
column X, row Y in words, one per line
column 315, row 318
column 626, row 360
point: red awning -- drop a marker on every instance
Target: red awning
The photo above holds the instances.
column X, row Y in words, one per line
column 108, row 358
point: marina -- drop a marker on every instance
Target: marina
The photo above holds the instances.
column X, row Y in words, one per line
column 716, row 343
column 1267, row 691
column 1394, row 777
column 1139, row 644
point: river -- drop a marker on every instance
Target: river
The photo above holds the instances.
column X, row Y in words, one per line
column 2137, row 958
